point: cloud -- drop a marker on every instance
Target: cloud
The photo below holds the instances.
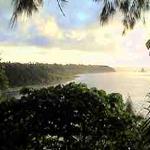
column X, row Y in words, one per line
column 75, row 31
column 91, row 38
column 48, row 36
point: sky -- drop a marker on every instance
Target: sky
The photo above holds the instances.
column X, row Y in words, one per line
column 76, row 38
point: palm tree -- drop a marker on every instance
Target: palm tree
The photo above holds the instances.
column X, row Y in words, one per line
column 131, row 10
column 27, row 7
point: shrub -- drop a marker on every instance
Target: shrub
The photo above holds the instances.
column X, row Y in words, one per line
column 68, row 116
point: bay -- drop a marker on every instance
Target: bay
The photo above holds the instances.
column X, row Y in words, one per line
column 135, row 85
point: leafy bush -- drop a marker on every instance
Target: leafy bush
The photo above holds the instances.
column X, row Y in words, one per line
column 68, row 116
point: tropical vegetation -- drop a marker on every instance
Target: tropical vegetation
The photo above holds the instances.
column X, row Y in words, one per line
column 3, row 78
column 39, row 74
column 131, row 10
column 71, row 117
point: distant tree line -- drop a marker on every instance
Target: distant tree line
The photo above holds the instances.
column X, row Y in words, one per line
column 70, row 117
column 28, row 74
column 3, row 79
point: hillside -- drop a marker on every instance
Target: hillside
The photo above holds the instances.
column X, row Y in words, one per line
column 31, row 74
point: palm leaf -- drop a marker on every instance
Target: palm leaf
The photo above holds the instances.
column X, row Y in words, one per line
column 148, row 44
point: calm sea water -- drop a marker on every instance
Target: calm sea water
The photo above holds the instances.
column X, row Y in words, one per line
column 133, row 84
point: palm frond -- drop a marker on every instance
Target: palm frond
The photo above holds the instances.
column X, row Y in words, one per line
column 148, row 44
column 131, row 10
column 24, row 6
column 28, row 7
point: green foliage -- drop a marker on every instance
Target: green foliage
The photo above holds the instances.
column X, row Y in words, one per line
column 146, row 130
column 129, row 105
column 131, row 10
column 29, row 74
column 3, row 79
column 148, row 44
column 68, row 116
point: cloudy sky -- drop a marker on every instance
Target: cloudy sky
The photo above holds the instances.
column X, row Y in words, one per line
column 78, row 38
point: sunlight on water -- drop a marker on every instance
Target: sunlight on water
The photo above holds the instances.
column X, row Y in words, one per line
column 133, row 84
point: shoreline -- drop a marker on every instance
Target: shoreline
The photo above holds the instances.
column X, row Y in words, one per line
column 14, row 91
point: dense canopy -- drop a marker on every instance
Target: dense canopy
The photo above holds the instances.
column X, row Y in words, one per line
column 68, row 116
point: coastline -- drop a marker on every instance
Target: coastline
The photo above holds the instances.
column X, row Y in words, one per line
column 14, row 91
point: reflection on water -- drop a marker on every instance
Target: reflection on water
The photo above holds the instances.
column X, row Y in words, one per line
column 135, row 84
